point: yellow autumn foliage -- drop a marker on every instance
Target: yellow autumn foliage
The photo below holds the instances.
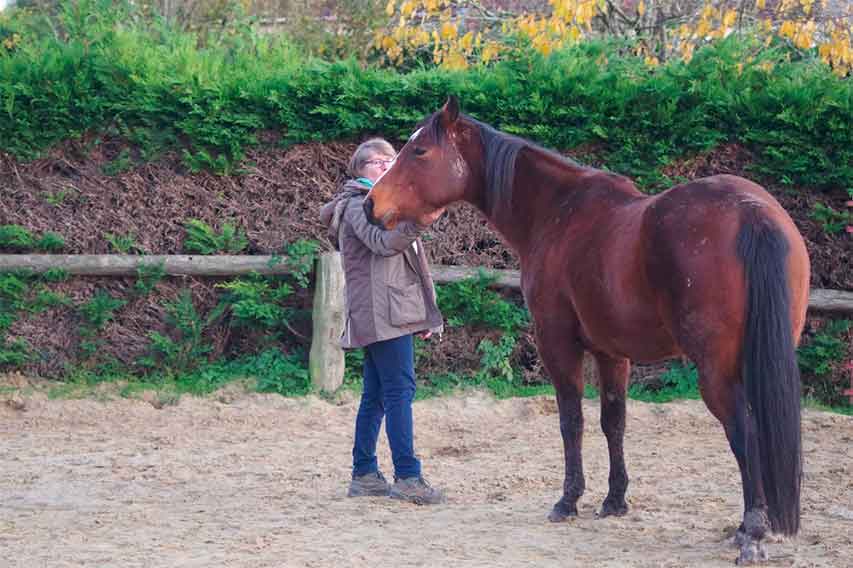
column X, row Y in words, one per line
column 462, row 32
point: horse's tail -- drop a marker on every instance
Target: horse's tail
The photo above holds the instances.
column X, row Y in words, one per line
column 770, row 373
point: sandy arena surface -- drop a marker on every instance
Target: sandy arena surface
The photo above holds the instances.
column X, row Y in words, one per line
column 248, row 480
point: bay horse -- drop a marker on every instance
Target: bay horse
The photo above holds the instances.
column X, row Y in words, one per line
column 713, row 269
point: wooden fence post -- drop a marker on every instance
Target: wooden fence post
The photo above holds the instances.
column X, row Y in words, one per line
column 326, row 359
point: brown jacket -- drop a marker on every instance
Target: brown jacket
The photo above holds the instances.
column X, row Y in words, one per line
column 389, row 291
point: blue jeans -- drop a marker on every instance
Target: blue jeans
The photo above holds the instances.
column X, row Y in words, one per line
column 389, row 388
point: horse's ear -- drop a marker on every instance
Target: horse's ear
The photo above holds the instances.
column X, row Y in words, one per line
column 450, row 111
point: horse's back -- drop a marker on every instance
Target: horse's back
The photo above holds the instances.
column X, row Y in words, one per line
column 717, row 195
column 703, row 218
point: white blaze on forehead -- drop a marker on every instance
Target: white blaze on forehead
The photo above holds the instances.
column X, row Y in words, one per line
column 411, row 138
column 459, row 166
column 415, row 134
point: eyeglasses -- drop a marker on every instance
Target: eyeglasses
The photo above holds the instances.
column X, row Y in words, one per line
column 379, row 162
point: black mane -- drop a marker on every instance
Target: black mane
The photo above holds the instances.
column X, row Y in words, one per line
column 500, row 151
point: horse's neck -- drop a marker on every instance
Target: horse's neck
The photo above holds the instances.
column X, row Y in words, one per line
column 543, row 185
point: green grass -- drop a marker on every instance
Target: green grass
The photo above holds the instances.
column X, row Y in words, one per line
column 8, row 390
column 452, row 383
column 813, row 404
column 159, row 392
column 163, row 392
column 267, row 371
column 275, row 372
column 72, row 390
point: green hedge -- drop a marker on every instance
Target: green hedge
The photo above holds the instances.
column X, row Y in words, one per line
column 156, row 87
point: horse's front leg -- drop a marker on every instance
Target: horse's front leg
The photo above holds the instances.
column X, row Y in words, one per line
column 613, row 380
column 563, row 359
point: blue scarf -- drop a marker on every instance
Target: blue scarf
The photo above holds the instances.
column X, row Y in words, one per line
column 365, row 181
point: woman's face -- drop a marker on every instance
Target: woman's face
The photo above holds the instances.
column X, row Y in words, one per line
column 376, row 166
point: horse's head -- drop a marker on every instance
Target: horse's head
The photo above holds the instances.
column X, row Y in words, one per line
column 429, row 173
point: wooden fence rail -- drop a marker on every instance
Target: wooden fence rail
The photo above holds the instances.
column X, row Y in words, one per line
column 128, row 264
column 326, row 358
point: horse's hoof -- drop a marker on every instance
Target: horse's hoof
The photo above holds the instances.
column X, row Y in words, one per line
column 752, row 552
column 561, row 513
column 612, row 509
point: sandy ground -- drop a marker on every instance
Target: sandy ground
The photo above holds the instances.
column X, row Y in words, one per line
column 247, row 480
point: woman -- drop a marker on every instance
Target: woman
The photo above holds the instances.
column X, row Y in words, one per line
column 389, row 297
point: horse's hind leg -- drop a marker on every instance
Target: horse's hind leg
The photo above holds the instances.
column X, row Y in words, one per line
column 743, row 440
column 724, row 394
column 613, row 373
column 562, row 355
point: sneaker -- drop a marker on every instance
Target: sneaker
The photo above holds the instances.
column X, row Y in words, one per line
column 416, row 490
column 369, row 485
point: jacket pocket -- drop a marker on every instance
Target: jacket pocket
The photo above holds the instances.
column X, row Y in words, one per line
column 406, row 304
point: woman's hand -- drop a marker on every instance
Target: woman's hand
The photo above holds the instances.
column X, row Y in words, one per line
column 425, row 334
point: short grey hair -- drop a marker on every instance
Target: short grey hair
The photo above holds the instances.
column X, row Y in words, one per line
column 365, row 151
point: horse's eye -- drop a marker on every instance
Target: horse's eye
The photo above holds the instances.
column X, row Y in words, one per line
column 419, row 151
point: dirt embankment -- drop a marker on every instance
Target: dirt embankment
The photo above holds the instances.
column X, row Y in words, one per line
column 275, row 200
column 276, row 196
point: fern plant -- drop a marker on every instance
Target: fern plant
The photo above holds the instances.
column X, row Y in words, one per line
column 819, row 357
column 830, row 220
column 283, row 374
column 122, row 244
column 122, row 163
column 189, row 347
column 147, row 277
column 55, row 275
column 257, row 301
column 301, row 255
column 14, row 353
column 100, row 309
column 19, row 239
column 23, row 291
column 495, row 362
column 472, row 302
column 49, row 242
column 13, row 290
column 44, row 298
column 15, row 238
column 96, row 313
column 825, row 349
column 201, row 238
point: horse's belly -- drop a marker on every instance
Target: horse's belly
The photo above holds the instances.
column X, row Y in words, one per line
column 641, row 339
column 651, row 353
